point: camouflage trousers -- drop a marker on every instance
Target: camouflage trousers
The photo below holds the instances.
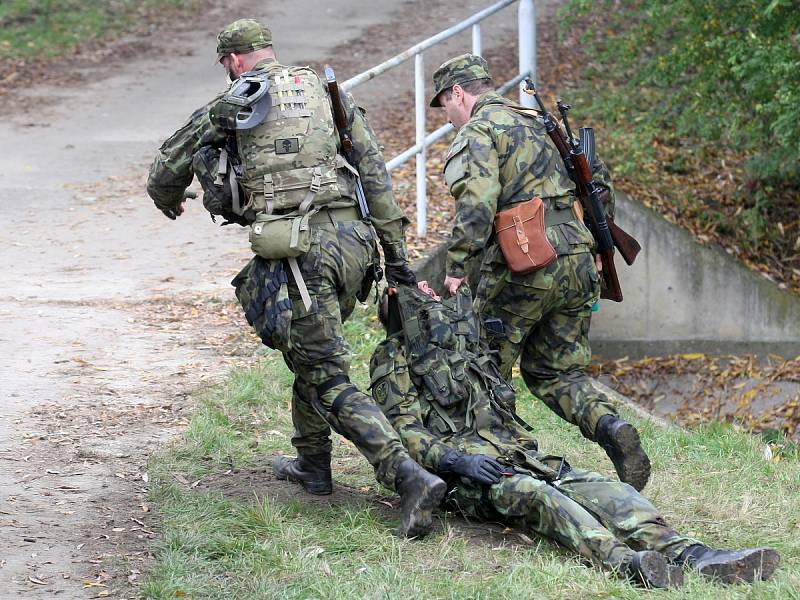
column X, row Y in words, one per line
column 604, row 521
column 334, row 268
column 544, row 321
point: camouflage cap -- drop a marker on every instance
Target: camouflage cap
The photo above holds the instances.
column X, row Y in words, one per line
column 461, row 69
column 243, row 36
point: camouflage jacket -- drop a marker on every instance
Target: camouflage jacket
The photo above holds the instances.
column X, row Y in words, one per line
column 429, row 424
column 171, row 171
column 498, row 158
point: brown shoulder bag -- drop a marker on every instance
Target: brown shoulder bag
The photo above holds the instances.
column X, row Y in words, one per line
column 520, row 234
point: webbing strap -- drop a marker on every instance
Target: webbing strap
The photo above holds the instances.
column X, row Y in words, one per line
column 222, row 166
column 340, row 398
column 301, row 284
column 443, row 416
column 331, row 383
column 269, row 193
column 236, row 204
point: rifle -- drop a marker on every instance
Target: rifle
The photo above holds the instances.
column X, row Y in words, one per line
column 340, row 119
column 627, row 245
column 605, row 232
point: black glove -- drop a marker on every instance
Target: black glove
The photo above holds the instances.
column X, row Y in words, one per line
column 478, row 467
column 400, row 274
column 172, row 211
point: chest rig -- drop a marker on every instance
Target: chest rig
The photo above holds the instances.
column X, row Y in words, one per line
column 447, row 363
column 287, row 155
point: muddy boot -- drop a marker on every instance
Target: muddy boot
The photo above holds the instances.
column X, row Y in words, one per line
column 651, row 570
column 312, row 471
column 621, row 442
column 731, row 566
column 420, row 492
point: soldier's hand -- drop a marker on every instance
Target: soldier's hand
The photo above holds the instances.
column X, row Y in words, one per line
column 451, row 284
column 171, row 211
column 478, row 467
column 400, row 274
column 598, row 262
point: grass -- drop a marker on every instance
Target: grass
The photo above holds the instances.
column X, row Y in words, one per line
column 238, row 534
column 44, row 28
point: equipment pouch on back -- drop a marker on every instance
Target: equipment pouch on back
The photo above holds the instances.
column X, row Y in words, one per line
column 281, row 236
column 521, row 237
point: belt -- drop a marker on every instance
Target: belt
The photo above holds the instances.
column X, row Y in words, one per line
column 558, row 216
column 335, row 215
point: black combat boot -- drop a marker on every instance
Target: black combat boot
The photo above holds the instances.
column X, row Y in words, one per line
column 312, row 471
column 621, row 442
column 420, row 492
column 731, row 566
column 650, row 569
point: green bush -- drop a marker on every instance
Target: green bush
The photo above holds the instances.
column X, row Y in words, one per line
column 724, row 70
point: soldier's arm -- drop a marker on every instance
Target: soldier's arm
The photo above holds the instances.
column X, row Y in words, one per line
column 397, row 398
column 387, row 217
column 472, row 174
column 603, row 178
column 171, row 172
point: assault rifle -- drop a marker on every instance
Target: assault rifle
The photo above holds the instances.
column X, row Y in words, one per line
column 578, row 155
column 340, row 119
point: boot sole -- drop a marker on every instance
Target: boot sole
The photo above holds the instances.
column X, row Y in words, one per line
column 315, row 488
column 656, row 572
column 417, row 521
column 634, row 468
column 759, row 563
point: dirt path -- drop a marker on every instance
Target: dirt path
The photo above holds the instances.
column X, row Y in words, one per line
column 111, row 316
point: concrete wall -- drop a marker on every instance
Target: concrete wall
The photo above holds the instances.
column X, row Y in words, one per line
column 681, row 296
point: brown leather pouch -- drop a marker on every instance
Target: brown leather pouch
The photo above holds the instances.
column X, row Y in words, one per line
column 520, row 234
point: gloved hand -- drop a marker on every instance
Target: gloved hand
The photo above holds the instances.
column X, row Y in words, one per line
column 172, row 211
column 400, row 274
column 478, row 467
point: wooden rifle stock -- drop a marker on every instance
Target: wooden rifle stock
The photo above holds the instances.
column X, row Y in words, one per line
column 340, row 120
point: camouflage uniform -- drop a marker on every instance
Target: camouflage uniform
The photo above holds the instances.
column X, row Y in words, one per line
column 500, row 157
column 601, row 519
column 342, row 253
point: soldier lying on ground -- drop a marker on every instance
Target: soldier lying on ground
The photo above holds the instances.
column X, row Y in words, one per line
column 439, row 387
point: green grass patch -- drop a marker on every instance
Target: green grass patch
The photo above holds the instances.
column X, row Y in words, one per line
column 44, row 28
column 238, row 534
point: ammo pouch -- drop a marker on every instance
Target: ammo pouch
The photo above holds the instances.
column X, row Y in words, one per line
column 521, row 236
column 444, row 375
column 281, row 236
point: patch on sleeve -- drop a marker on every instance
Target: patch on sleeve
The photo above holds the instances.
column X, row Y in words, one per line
column 456, row 164
column 382, row 391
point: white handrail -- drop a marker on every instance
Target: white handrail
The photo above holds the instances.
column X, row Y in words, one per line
column 527, row 68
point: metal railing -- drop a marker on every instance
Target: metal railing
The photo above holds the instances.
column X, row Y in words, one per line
column 527, row 68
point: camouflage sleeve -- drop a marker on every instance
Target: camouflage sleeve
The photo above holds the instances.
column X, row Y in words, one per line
column 386, row 216
column 603, row 177
column 171, row 172
column 397, row 398
column 472, row 173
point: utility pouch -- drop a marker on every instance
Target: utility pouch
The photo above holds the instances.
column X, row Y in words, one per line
column 281, row 236
column 522, row 239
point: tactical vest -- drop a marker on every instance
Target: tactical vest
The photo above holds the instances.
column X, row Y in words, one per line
column 290, row 158
column 448, row 364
